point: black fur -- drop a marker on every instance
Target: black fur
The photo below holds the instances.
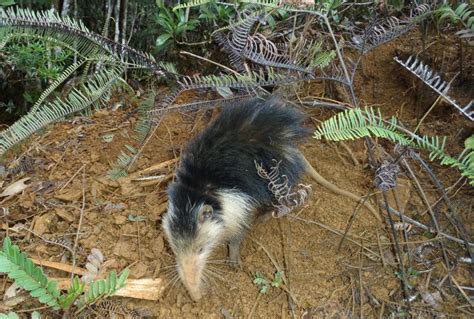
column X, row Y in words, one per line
column 223, row 155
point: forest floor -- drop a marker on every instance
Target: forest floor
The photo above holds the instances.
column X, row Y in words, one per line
column 325, row 276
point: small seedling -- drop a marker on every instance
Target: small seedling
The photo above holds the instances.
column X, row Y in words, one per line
column 264, row 284
column 411, row 275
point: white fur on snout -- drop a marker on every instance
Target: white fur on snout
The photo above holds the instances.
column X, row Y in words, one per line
column 236, row 211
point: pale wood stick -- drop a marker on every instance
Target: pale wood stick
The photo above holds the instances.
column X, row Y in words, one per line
column 152, row 168
column 146, row 288
column 59, row 266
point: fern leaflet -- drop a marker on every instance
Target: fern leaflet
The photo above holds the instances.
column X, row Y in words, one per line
column 356, row 123
column 28, row 276
column 103, row 288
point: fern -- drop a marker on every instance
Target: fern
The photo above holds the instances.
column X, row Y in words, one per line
column 435, row 82
column 91, row 93
column 464, row 14
column 386, row 29
column 28, row 276
column 190, row 4
column 74, row 291
column 318, row 58
column 356, row 123
column 10, row 315
column 102, row 288
column 53, row 86
column 50, row 24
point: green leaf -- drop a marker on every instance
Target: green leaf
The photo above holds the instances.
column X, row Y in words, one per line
column 10, row 315
column 162, row 39
column 26, row 275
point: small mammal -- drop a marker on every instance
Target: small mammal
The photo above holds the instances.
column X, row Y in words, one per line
column 218, row 193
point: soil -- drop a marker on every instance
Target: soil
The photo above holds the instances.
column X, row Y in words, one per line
column 325, row 276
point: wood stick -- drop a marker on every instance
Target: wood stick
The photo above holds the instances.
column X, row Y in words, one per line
column 152, row 168
column 59, row 266
column 146, row 288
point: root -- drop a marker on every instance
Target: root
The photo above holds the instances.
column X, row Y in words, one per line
column 333, row 188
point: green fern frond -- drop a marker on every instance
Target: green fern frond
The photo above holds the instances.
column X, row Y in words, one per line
column 10, row 315
column 53, row 86
column 356, row 123
column 26, row 275
column 319, row 58
column 102, row 288
column 464, row 13
column 89, row 94
column 73, row 292
column 142, row 131
column 73, row 32
column 190, row 4
column 252, row 79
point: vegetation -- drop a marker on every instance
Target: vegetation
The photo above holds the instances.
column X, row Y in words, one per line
column 264, row 284
column 26, row 275
column 59, row 63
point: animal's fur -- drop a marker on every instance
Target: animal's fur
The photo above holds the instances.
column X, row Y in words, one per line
column 218, row 170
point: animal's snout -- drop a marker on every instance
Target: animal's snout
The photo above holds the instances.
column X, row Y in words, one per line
column 191, row 272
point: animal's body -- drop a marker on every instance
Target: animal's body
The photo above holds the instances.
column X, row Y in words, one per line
column 217, row 193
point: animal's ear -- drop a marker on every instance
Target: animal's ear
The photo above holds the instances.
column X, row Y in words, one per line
column 205, row 213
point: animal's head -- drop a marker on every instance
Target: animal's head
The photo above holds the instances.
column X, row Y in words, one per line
column 194, row 227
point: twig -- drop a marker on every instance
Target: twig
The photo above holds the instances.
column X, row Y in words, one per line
column 72, row 177
column 361, row 293
column 425, row 200
column 351, row 221
column 337, row 232
column 351, row 154
column 291, row 304
column 146, row 288
column 398, row 251
column 254, row 307
column 444, row 195
column 210, row 61
column 278, row 268
column 457, row 286
column 80, row 222
column 404, row 229
column 423, row 226
column 59, row 266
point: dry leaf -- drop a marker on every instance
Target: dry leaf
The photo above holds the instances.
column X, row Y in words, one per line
column 43, row 222
column 15, row 188
column 70, row 196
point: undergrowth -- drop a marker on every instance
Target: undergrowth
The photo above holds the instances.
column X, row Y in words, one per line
column 21, row 269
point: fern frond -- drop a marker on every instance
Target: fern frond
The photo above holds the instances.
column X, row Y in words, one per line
column 51, row 24
column 53, row 86
column 384, row 30
column 141, row 132
column 317, row 58
column 10, row 315
column 73, row 292
column 90, row 93
column 190, row 4
column 463, row 13
column 356, row 123
column 26, row 275
column 435, row 82
column 250, row 80
column 102, row 288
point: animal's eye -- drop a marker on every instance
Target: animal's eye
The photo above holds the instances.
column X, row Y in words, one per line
column 205, row 213
column 201, row 250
